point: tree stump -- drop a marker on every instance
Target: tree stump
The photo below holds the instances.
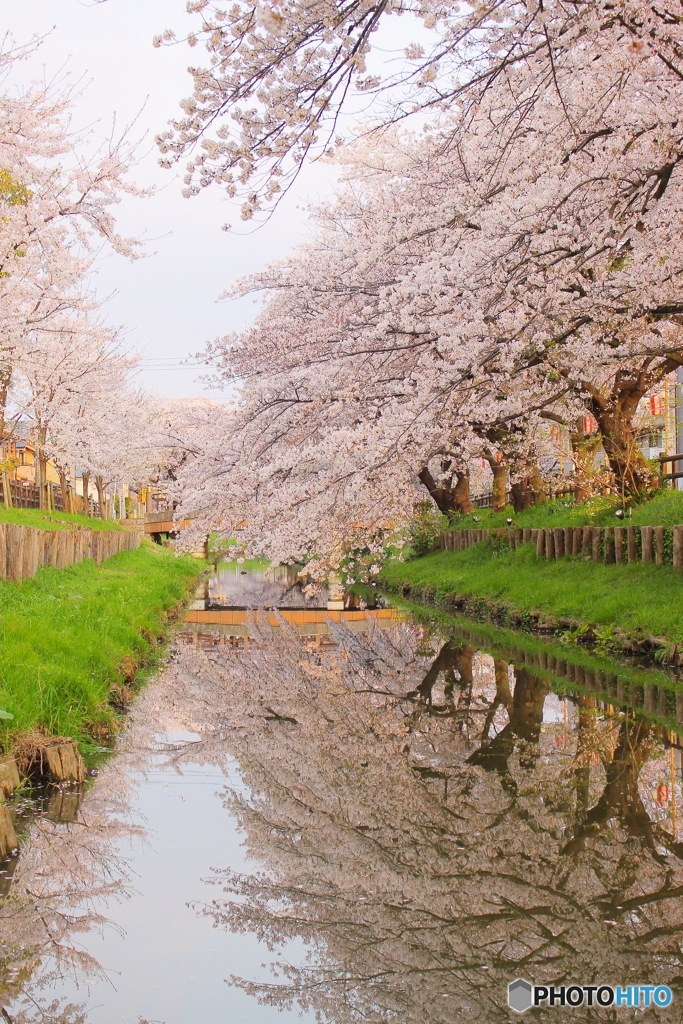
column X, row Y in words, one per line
column 9, row 775
column 8, row 837
column 64, row 763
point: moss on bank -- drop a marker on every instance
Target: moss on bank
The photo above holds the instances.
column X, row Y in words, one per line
column 639, row 597
column 70, row 637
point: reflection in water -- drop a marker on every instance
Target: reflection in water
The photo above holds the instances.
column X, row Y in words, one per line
column 68, row 864
column 429, row 836
column 429, row 819
column 278, row 586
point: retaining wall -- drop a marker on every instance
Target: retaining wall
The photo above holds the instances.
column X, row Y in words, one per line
column 26, row 549
column 611, row 544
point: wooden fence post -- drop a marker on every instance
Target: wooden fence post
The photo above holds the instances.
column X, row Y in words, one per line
column 549, row 544
column 577, row 540
column 540, row 543
column 15, row 551
column 569, row 540
column 30, row 552
column 587, row 540
column 595, row 543
column 559, row 541
column 659, row 544
column 632, row 544
column 646, row 540
column 3, row 549
column 678, row 547
column 619, row 544
column 608, row 534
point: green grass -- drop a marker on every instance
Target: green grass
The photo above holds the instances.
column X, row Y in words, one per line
column 666, row 509
column 67, row 635
column 53, row 520
column 638, row 596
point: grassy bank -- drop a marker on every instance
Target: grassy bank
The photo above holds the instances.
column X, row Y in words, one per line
column 70, row 638
column 636, row 597
column 53, row 520
column 666, row 509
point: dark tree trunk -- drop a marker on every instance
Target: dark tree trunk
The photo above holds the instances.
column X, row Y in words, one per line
column 446, row 496
column 528, row 490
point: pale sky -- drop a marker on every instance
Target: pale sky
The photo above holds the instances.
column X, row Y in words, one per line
column 165, row 304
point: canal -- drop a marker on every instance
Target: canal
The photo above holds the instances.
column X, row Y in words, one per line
column 346, row 815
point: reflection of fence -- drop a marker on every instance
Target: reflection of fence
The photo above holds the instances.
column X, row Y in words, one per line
column 25, row 549
column 611, row 544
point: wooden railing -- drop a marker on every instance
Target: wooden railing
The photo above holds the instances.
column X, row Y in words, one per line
column 675, row 459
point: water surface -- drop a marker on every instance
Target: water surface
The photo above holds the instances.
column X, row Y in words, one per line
column 397, row 824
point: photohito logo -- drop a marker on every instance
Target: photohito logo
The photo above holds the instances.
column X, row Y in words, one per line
column 522, row 995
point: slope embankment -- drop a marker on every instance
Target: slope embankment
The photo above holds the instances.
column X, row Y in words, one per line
column 633, row 606
column 73, row 640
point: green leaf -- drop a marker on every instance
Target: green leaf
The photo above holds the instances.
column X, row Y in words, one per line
column 5, row 714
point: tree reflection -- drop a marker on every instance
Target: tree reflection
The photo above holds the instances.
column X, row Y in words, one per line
column 427, row 849
column 69, row 866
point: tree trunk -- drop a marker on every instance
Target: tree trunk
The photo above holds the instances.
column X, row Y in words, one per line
column 86, row 494
column 446, row 497
column 99, row 484
column 461, row 494
column 65, row 491
column 7, row 490
column 41, row 481
column 632, row 474
column 528, row 490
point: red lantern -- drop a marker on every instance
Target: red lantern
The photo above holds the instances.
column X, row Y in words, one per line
column 656, row 405
column 499, row 456
column 590, row 424
column 484, row 464
column 662, row 794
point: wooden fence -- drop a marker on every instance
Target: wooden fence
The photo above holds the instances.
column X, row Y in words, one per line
column 611, row 544
column 26, row 549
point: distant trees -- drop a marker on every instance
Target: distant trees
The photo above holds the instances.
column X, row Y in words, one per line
column 60, row 368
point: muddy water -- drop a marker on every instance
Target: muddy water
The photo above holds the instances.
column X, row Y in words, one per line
column 389, row 826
